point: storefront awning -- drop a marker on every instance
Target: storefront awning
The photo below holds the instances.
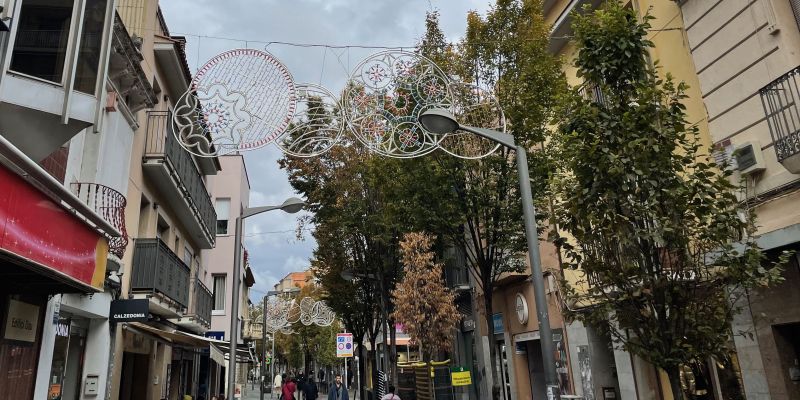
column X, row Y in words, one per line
column 182, row 339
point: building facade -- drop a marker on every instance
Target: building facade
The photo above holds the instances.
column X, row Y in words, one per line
column 230, row 191
column 62, row 217
column 746, row 54
column 171, row 220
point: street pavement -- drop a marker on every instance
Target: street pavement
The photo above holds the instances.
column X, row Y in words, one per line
column 254, row 395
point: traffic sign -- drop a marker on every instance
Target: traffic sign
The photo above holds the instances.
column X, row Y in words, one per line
column 344, row 345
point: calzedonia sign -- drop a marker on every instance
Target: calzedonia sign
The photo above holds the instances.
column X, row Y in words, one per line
column 134, row 310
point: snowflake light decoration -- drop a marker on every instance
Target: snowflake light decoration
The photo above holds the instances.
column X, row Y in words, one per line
column 239, row 100
column 316, row 126
column 388, row 92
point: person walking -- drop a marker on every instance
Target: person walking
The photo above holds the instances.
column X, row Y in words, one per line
column 391, row 395
column 289, row 387
column 276, row 385
column 310, row 389
column 338, row 390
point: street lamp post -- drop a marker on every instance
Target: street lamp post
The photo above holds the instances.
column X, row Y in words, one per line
column 291, row 206
column 264, row 339
column 441, row 121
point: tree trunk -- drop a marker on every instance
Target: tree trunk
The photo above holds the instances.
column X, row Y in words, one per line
column 393, row 352
column 493, row 370
column 674, row 375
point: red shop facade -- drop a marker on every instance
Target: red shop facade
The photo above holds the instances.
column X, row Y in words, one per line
column 46, row 248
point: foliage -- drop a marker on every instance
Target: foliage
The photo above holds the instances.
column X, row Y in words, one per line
column 504, row 53
column 648, row 217
column 316, row 342
column 424, row 305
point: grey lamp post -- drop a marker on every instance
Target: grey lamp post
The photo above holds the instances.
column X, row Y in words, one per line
column 264, row 338
column 291, row 206
column 441, row 122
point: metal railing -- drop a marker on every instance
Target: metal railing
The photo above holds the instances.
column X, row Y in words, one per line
column 780, row 100
column 156, row 269
column 161, row 144
column 203, row 301
column 110, row 205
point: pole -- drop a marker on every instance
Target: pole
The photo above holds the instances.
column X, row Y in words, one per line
column 263, row 371
column 272, row 364
column 529, row 216
column 237, row 267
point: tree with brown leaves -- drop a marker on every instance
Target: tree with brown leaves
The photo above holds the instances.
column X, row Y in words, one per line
column 423, row 303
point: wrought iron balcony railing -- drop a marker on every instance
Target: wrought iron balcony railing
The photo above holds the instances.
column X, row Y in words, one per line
column 109, row 204
column 203, row 301
column 781, row 101
column 156, row 269
column 592, row 93
column 161, row 144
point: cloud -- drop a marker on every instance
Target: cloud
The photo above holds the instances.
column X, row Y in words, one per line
column 274, row 252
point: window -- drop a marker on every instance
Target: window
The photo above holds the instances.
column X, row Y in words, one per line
column 42, row 46
column 91, row 41
column 223, row 207
column 219, row 293
column 187, row 256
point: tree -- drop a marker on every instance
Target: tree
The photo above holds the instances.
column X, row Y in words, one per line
column 423, row 304
column 506, row 54
column 648, row 217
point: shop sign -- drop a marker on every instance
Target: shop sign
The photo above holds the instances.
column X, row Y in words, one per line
column 34, row 227
column 527, row 336
column 522, row 309
column 216, row 335
column 134, row 343
column 133, row 310
column 460, row 376
column 62, row 328
column 520, row 348
column 22, row 322
column 497, row 322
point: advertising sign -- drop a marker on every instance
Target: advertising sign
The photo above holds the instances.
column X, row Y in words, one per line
column 22, row 322
column 133, row 310
column 344, row 345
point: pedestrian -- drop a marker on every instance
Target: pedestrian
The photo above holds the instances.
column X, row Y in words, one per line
column 310, row 389
column 391, row 395
column 277, row 384
column 289, row 387
column 338, row 390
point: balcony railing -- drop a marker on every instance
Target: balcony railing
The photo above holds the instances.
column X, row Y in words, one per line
column 203, row 301
column 156, row 269
column 109, row 204
column 593, row 93
column 781, row 101
column 455, row 272
column 161, row 144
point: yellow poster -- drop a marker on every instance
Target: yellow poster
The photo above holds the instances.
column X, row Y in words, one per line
column 462, row 378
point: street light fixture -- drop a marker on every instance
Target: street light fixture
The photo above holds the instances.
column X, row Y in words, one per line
column 264, row 336
column 442, row 122
column 291, row 206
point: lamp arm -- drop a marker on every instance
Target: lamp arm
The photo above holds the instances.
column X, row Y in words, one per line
column 495, row 136
column 250, row 211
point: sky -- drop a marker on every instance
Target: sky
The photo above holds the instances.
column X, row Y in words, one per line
column 214, row 26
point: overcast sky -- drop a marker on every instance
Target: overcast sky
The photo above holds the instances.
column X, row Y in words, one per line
column 271, row 240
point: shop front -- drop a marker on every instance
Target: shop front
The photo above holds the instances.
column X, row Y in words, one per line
column 47, row 246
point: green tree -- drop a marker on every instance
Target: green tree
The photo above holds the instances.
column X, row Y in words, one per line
column 504, row 53
column 650, row 220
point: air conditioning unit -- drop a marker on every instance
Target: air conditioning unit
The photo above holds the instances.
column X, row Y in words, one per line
column 749, row 158
column 6, row 13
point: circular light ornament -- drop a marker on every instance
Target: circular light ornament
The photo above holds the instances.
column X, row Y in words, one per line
column 239, row 100
column 317, row 124
column 387, row 93
column 473, row 106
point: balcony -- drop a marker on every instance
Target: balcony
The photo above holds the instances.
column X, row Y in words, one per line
column 780, row 100
column 110, row 205
column 159, row 275
column 174, row 172
column 198, row 319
